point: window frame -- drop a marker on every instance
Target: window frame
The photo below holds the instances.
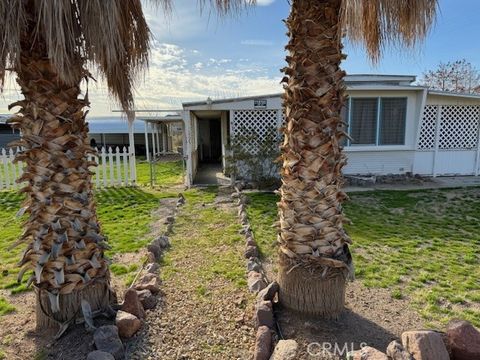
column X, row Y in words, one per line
column 378, row 122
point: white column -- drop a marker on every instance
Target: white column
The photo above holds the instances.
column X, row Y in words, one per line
column 154, row 146
column 131, row 140
column 223, row 125
column 157, row 137
column 437, row 138
column 147, row 150
column 164, row 139
column 477, row 158
column 187, row 147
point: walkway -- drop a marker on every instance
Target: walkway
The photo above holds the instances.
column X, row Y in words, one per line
column 210, row 174
column 430, row 183
column 205, row 310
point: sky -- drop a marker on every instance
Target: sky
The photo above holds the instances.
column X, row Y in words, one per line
column 196, row 54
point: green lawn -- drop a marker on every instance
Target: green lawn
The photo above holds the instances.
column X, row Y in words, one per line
column 423, row 246
column 212, row 230
column 167, row 173
column 125, row 214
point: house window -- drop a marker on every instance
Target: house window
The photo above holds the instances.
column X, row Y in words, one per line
column 377, row 121
column 393, row 112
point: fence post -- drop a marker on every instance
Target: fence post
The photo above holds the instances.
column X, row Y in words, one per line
column 119, row 170
column 110, row 165
column 11, row 156
column 5, row 168
column 104, row 167
column 125, row 164
column 131, row 157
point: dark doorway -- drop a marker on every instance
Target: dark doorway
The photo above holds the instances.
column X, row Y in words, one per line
column 210, row 139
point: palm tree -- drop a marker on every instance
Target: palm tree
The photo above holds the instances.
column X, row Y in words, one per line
column 50, row 46
column 314, row 260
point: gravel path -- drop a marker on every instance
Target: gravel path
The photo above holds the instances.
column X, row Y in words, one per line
column 203, row 312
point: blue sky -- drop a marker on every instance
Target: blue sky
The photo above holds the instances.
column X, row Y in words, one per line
column 199, row 55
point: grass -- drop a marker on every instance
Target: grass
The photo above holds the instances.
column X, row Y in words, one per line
column 216, row 239
column 5, row 307
column 421, row 245
column 167, row 174
column 125, row 215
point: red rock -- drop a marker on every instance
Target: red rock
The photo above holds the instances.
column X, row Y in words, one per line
column 255, row 282
column 148, row 300
column 285, row 350
column 396, row 351
column 264, row 314
column 463, row 340
column 132, row 304
column 106, row 339
column 250, row 251
column 149, row 282
column 127, row 324
column 369, row 353
column 425, row 345
column 263, row 344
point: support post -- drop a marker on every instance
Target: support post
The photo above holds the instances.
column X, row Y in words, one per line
column 131, row 140
column 157, row 137
column 147, row 150
column 437, row 138
column 154, row 146
column 477, row 158
column 164, row 139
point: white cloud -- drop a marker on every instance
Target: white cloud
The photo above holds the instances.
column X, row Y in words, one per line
column 256, row 42
column 175, row 76
column 265, row 2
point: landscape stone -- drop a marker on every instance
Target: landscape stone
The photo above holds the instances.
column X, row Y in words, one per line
column 162, row 241
column 253, row 265
column 128, row 324
column 155, row 250
column 425, row 345
column 263, row 344
column 369, row 353
column 285, row 350
column 152, row 268
column 255, row 282
column 250, row 251
column 149, row 282
column 463, row 340
column 264, row 314
column 268, row 294
column 100, row 355
column 132, row 304
column 396, row 351
column 106, row 339
column 148, row 300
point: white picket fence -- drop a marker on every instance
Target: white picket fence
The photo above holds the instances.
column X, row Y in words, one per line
column 115, row 167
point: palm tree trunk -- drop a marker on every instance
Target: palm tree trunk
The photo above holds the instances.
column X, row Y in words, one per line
column 314, row 255
column 66, row 248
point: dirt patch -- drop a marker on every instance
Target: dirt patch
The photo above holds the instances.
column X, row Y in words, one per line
column 372, row 317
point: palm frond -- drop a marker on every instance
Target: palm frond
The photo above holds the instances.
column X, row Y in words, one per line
column 376, row 23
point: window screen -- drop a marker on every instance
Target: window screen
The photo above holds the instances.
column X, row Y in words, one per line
column 393, row 112
column 363, row 121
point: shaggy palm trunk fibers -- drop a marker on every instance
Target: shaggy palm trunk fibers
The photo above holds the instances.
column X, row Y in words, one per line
column 314, row 255
column 65, row 247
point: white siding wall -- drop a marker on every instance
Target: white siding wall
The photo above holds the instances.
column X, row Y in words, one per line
column 379, row 162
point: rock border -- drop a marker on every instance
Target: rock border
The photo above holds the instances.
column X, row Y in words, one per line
column 257, row 283
column 140, row 296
